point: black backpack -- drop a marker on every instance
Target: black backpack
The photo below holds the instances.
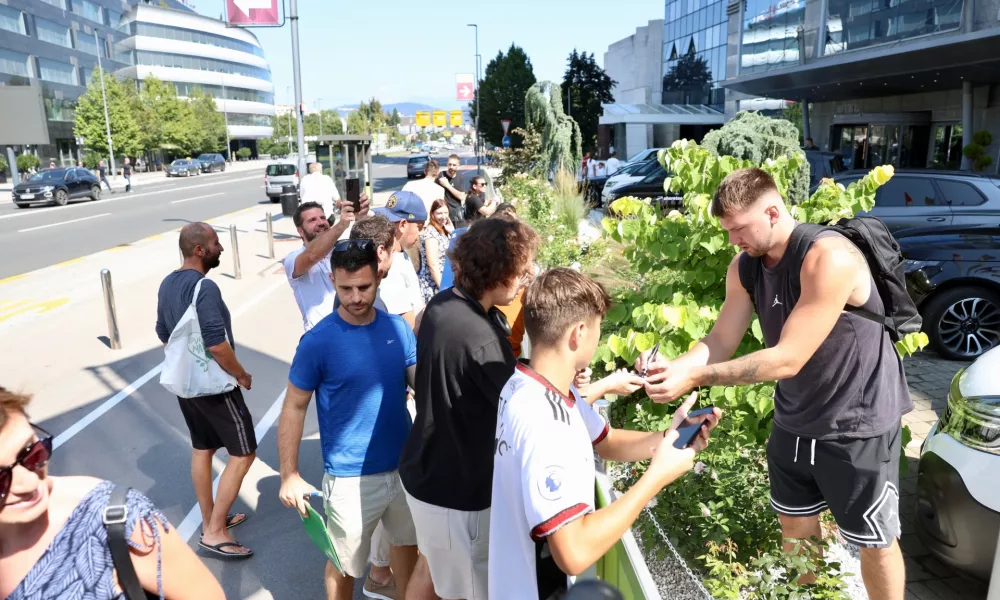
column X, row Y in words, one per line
column 885, row 261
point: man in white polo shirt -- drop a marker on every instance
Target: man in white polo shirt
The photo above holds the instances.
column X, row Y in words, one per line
column 319, row 188
column 543, row 525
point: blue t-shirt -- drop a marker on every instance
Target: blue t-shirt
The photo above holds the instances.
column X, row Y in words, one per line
column 358, row 373
column 447, row 273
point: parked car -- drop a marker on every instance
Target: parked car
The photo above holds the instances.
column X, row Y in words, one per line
column 643, row 156
column 57, row 186
column 823, row 165
column 650, row 186
column 415, row 166
column 925, row 197
column 183, row 167
column 953, row 276
column 958, row 488
column 414, row 150
column 279, row 174
column 628, row 174
column 211, row 163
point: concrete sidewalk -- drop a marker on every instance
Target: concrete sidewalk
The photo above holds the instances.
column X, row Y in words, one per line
column 140, row 179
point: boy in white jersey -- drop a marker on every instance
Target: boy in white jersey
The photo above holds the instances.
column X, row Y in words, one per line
column 543, row 525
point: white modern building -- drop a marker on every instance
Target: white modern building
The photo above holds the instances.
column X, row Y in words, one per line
column 192, row 51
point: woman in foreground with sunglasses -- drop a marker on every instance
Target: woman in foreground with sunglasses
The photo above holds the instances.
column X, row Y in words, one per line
column 53, row 541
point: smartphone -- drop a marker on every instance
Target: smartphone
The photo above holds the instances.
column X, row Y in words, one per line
column 352, row 187
column 691, row 426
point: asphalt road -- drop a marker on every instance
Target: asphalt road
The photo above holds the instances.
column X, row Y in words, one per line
column 38, row 237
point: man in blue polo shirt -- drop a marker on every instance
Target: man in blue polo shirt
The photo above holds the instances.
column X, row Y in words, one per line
column 358, row 361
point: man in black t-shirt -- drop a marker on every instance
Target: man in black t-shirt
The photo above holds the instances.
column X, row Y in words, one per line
column 454, row 194
column 102, row 172
column 127, row 174
column 476, row 205
column 463, row 361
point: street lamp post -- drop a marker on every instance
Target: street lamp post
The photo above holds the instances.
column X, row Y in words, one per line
column 288, row 90
column 225, row 114
column 478, row 115
column 104, row 97
column 293, row 16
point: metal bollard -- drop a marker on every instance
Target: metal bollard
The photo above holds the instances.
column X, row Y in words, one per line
column 109, row 310
column 270, row 236
column 603, row 408
column 237, row 273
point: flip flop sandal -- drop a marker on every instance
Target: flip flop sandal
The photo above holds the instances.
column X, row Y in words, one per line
column 232, row 520
column 218, row 549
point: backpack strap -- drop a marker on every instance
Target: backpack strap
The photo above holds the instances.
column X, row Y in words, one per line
column 799, row 244
column 115, row 518
column 750, row 270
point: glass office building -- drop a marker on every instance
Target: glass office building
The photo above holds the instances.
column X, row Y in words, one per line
column 191, row 51
column 900, row 82
column 695, row 27
column 55, row 44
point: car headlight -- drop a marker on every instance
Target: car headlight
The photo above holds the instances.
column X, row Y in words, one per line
column 974, row 422
column 910, row 266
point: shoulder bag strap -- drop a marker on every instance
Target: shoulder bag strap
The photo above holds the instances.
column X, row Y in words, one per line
column 115, row 517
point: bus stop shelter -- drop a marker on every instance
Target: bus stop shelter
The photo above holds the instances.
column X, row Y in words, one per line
column 343, row 157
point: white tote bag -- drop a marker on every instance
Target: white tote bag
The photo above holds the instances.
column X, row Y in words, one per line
column 189, row 370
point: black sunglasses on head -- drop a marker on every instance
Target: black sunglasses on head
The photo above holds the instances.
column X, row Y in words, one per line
column 32, row 457
column 362, row 244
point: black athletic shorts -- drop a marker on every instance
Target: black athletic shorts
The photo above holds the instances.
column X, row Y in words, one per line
column 857, row 479
column 220, row 421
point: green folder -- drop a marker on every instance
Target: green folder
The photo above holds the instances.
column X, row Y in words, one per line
column 315, row 527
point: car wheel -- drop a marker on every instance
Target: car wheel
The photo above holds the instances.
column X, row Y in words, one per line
column 95, row 193
column 963, row 322
column 275, row 199
column 61, row 198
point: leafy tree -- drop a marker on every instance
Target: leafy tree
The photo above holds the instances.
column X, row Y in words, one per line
column 587, row 86
column 243, row 153
column 26, row 162
column 209, row 123
column 793, row 114
column 165, row 120
column 123, row 107
column 560, row 133
column 395, row 119
column 501, row 94
column 368, row 119
column 689, row 76
column 3, row 165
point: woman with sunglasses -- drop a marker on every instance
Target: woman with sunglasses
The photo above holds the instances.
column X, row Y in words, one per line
column 434, row 242
column 53, row 541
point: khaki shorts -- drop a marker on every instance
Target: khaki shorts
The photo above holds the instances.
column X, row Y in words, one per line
column 456, row 544
column 355, row 505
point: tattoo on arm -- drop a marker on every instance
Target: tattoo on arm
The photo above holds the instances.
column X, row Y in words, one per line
column 741, row 371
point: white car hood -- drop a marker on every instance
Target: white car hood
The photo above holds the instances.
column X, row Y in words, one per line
column 980, row 379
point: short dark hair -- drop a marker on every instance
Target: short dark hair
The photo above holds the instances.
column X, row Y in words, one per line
column 297, row 217
column 492, row 253
column 12, row 402
column 559, row 298
column 354, row 259
column 476, row 178
column 193, row 235
column 740, row 189
column 505, row 210
column 432, row 166
column 456, row 157
column 377, row 229
column 809, row 139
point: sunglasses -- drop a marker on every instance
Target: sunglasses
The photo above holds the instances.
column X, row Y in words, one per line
column 32, row 457
column 362, row 244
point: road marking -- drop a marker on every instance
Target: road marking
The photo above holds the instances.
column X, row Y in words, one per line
column 71, row 261
column 12, row 308
column 110, row 403
column 193, row 519
column 63, row 223
column 124, row 196
column 196, row 198
column 13, row 278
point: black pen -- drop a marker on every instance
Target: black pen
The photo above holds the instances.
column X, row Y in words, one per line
column 652, row 356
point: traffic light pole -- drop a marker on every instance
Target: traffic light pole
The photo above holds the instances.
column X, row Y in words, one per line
column 293, row 16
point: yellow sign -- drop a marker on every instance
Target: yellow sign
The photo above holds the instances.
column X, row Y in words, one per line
column 423, row 118
column 456, row 118
column 440, row 119
column 446, row 133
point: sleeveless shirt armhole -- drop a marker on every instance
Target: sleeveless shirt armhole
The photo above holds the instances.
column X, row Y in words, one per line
column 150, row 519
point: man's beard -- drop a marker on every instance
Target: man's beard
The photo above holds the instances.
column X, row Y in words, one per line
column 211, row 262
column 315, row 233
column 758, row 251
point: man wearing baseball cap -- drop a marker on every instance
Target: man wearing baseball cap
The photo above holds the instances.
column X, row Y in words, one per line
column 400, row 290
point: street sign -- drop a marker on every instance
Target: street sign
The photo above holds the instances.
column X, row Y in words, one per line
column 253, row 12
column 506, row 125
column 440, row 120
column 423, row 118
column 505, row 141
column 464, row 86
column 456, row 118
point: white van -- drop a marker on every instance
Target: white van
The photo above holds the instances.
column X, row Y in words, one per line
column 280, row 173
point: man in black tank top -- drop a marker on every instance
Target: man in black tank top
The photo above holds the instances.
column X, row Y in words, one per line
column 841, row 388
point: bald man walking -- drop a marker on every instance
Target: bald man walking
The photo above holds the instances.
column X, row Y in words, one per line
column 220, row 420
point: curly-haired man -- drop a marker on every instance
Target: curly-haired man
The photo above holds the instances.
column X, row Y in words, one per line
column 463, row 362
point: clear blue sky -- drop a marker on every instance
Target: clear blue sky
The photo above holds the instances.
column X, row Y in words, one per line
column 410, row 51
